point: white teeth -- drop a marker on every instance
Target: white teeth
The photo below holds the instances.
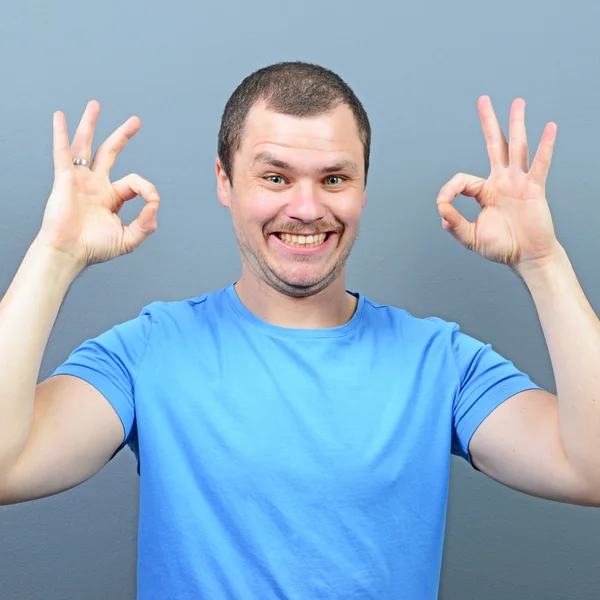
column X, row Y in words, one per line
column 303, row 240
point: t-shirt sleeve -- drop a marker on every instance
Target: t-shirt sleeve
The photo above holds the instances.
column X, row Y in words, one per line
column 486, row 380
column 111, row 362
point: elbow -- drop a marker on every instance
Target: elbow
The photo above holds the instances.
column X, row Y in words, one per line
column 589, row 490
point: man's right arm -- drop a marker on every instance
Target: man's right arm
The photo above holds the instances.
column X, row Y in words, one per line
column 57, row 434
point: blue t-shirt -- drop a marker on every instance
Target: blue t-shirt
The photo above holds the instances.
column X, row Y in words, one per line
column 295, row 464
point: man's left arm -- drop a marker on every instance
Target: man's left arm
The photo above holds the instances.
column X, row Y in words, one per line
column 543, row 444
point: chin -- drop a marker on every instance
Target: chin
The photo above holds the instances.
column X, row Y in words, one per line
column 300, row 286
column 299, row 291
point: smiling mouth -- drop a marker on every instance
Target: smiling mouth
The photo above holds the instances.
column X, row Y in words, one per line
column 303, row 241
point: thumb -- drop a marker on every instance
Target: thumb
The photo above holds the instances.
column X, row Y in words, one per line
column 139, row 229
column 457, row 225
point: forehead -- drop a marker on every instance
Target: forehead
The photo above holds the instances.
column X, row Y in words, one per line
column 334, row 132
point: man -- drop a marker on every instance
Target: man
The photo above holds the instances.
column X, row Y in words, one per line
column 294, row 438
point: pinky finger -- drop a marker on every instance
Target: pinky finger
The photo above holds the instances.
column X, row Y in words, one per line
column 60, row 143
column 543, row 157
column 142, row 227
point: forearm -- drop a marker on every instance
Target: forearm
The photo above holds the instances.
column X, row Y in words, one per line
column 28, row 312
column 572, row 333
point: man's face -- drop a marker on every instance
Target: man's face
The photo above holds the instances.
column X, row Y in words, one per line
column 294, row 178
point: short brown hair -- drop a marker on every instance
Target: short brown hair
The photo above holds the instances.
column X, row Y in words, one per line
column 298, row 89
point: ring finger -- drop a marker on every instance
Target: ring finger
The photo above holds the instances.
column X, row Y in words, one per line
column 82, row 142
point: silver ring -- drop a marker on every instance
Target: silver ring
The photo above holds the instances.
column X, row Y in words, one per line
column 82, row 161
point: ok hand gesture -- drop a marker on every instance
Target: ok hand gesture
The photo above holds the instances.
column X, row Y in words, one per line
column 81, row 216
column 515, row 226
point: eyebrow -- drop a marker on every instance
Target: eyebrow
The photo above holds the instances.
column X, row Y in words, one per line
column 268, row 159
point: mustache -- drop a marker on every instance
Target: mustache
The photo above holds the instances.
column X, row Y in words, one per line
column 302, row 229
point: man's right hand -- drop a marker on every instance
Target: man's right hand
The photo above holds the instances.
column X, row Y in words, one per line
column 81, row 217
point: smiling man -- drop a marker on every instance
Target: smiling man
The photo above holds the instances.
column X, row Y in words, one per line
column 294, row 437
column 296, row 190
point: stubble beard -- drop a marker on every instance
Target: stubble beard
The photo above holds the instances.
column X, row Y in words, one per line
column 264, row 271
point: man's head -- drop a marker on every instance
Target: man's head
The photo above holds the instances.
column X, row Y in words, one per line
column 293, row 159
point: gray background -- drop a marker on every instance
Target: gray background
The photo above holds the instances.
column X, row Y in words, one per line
column 419, row 68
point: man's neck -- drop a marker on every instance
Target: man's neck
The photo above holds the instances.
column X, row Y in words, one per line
column 331, row 307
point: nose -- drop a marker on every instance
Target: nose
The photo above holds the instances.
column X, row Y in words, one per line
column 305, row 204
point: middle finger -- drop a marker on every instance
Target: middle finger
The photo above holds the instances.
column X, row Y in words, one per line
column 494, row 137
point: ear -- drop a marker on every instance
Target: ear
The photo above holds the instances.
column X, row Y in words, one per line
column 223, row 185
column 364, row 200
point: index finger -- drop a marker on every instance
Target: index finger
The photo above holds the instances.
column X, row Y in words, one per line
column 461, row 184
column 107, row 153
column 60, row 143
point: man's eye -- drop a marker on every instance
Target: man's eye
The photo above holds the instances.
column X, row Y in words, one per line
column 276, row 179
column 333, row 180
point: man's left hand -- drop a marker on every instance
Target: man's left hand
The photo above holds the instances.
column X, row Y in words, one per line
column 515, row 226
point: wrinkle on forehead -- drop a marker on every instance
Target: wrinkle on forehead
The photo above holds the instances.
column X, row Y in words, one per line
column 308, row 144
column 325, row 132
column 333, row 165
column 300, row 143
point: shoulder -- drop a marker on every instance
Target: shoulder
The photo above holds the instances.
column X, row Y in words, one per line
column 401, row 320
column 177, row 310
column 167, row 320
